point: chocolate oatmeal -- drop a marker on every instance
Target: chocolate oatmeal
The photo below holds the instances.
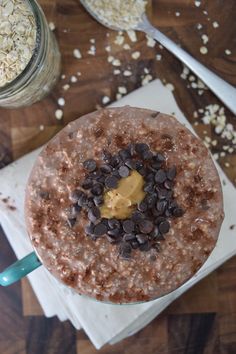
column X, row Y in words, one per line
column 124, row 205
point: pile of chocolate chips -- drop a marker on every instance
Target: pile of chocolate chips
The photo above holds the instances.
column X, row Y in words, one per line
column 149, row 223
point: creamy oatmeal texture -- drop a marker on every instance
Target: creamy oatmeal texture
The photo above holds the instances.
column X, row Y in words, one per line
column 94, row 268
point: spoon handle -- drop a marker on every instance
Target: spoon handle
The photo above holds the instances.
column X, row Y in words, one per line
column 224, row 91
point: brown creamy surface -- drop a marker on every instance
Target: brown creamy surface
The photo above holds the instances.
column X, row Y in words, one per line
column 94, row 267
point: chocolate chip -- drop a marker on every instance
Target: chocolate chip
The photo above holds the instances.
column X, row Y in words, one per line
column 147, row 155
column 142, row 206
column 129, row 237
column 146, row 226
column 90, row 165
column 124, row 154
column 162, row 193
column 71, row 221
column 87, row 183
column 83, row 200
column 145, row 247
column 111, row 182
column 131, row 148
column 155, row 232
column 97, row 189
column 114, row 232
column 139, row 165
column 123, row 171
column 159, row 157
column 113, row 239
column 141, row 147
column 159, row 220
column 156, row 246
column 75, row 195
column 128, row 226
column 113, row 223
column 100, row 229
column 141, row 238
column 142, row 171
column 156, row 165
column 135, row 245
column 154, row 114
column 94, row 214
column 149, row 188
column 106, row 169
column 89, row 229
column 150, row 177
column 98, row 200
column 168, row 213
column 171, row 173
column 161, row 205
column 74, row 211
column 106, row 156
column 44, row 195
column 164, row 227
column 137, row 216
column 160, row 176
column 168, row 184
column 131, row 164
column 101, row 179
column 178, row 212
column 115, row 160
column 125, row 250
column 151, row 200
column 96, row 174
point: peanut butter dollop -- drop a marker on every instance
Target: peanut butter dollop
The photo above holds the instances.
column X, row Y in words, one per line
column 119, row 203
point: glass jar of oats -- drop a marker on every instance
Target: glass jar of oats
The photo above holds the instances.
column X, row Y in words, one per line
column 30, row 60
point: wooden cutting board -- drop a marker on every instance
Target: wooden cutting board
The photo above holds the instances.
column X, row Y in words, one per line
column 203, row 320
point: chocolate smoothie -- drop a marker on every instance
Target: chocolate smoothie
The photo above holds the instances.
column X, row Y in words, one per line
column 124, row 205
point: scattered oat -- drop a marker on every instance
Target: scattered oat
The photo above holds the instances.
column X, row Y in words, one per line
column 161, row 46
column 119, row 39
column 66, row 87
column 61, row 101
column 146, row 79
column 92, row 50
column 150, row 41
column 118, row 96
column 146, row 70
column 205, row 12
column 158, row 57
column 127, row 73
column 227, row 164
column 122, row 90
column 116, row 72
column 197, row 3
column 108, row 48
column 192, row 78
column 116, row 62
column 59, row 114
column 177, row 14
column 105, row 99
column 199, row 26
column 110, row 58
column 77, row 53
column 52, row 26
column 78, row 73
column 170, row 87
column 63, row 76
column 126, row 46
column 205, row 39
column 215, row 24
column 92, row 40
column 73, row 79
column 135, row 55
column 228, row 52
column 132, row 35
column 41, row 127
column 203, row 50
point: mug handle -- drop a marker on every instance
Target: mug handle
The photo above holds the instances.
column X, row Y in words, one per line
column 19, row 269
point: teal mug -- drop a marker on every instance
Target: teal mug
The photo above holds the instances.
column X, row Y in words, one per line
column 19, row 269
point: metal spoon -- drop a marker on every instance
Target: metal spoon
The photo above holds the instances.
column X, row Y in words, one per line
column 224, row 91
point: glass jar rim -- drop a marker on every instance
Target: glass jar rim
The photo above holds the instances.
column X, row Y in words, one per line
column 37, row 13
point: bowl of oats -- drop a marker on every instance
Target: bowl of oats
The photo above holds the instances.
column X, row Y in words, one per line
column 30, row 60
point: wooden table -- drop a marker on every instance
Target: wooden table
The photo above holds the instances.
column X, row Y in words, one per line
column 204, row 319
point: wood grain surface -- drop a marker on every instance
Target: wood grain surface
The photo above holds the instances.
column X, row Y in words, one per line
column 204, row 319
